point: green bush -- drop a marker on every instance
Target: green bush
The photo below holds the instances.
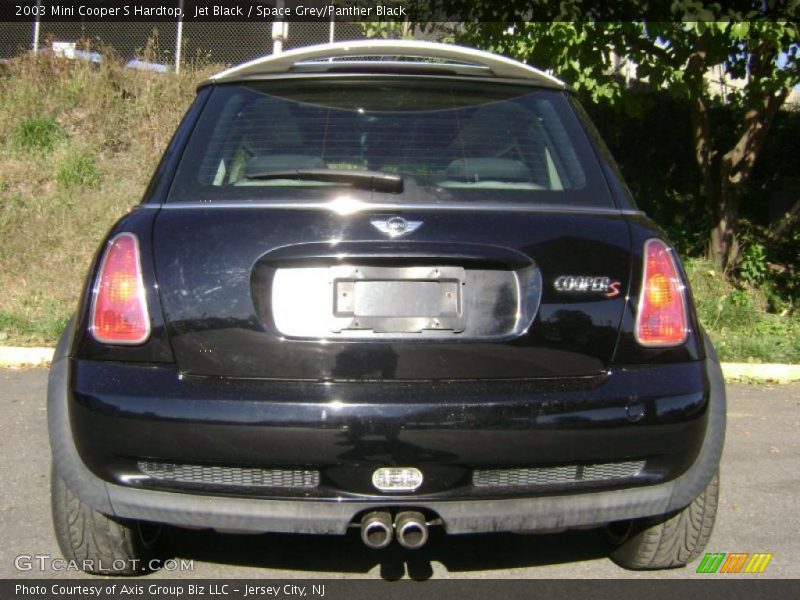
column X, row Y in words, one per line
column 753, row 263
column 78, row 169
column 36, row 134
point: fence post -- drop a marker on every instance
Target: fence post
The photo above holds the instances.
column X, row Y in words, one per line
column 280, row 30
column 36, row 28
column 179, row 38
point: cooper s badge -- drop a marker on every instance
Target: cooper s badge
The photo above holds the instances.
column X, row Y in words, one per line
column 587, row 284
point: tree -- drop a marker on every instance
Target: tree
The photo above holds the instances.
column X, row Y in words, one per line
column 758, row 60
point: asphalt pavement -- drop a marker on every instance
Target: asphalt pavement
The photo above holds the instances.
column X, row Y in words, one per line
column 758, row 512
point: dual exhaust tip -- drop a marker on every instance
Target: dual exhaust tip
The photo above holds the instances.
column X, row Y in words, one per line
column 410, row 528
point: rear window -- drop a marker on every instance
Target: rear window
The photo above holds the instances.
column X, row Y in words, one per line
column 449, row 141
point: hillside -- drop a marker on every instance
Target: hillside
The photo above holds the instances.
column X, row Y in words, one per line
column 79, row 143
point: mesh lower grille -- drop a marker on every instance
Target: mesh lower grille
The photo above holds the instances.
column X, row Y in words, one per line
column 230, row 476
column 552, row 475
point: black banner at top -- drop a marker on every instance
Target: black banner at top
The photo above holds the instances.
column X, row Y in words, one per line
column 396, row 10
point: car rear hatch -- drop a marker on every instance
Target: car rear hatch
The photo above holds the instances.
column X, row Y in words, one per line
column 381, row 228
column 474, row 295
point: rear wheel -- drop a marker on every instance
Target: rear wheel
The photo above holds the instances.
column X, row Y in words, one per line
column 669, row 541
column 98, row 543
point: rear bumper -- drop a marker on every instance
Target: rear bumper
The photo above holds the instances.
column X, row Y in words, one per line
column 693, row 417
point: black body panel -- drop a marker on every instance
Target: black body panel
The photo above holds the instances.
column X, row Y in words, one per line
column 628, row 351
column 537, row 376
column 156, row 349
column 161, row 181
column 124, row 413
column 205, row 260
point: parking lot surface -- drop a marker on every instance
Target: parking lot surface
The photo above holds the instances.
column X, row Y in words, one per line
column 758, row 512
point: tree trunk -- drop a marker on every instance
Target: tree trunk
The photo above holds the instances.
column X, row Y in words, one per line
column 724, row 247
column 720, row 197
column 725, row 174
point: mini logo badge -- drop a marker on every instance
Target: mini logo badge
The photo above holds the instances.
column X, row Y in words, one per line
column 395, row 226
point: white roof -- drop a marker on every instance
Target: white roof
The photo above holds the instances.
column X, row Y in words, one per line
column 283, row 62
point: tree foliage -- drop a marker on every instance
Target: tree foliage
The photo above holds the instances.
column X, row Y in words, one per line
column 749, row 65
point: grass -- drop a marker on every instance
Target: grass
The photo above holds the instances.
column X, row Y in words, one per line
column 80, row 143
column 78, row 170
column 35, row 134
column 739, row 321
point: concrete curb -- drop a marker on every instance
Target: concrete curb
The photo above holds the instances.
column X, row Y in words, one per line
column 773, row 373
column 17, row 357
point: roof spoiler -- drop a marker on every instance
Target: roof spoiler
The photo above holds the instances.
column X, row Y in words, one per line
column 284, row 62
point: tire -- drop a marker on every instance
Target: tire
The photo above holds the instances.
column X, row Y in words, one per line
column 98, row 543
column 670, row 541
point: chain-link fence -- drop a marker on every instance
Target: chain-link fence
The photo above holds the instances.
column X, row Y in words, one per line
column 16, row 38
column 200, row 43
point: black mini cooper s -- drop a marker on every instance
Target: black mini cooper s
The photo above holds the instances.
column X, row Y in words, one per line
column 390, row 286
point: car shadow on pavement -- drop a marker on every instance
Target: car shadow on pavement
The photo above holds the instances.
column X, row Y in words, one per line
column 348, row 555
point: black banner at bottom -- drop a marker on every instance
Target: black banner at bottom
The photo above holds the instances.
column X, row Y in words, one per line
column 336, row 589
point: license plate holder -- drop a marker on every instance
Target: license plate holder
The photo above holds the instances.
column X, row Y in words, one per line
column 398, row 299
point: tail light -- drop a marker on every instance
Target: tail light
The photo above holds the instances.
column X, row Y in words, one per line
column 662, row 317
column 119, row 308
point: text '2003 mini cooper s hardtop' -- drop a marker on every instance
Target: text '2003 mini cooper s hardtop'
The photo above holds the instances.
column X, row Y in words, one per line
column 404, row 290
